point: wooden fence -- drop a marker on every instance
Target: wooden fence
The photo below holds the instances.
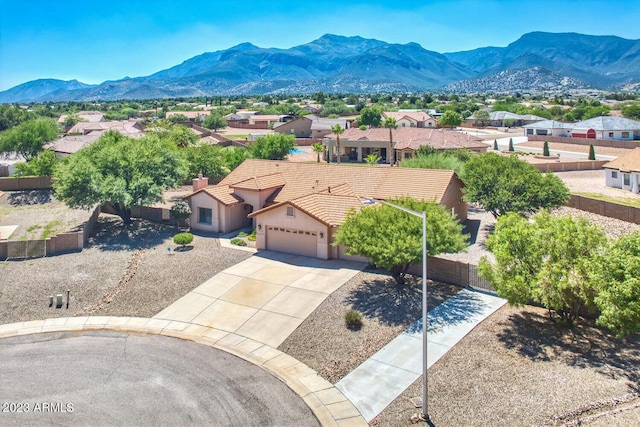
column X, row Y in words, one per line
column 454, row 272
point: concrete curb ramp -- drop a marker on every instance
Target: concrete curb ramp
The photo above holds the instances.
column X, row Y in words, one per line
column 328, row 404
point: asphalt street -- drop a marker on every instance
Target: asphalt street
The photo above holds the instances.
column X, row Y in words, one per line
column 114, row 378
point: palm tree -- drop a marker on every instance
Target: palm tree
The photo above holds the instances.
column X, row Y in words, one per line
column 338, row 130
column 318, row 148
column 390, row 123
column 372, row 159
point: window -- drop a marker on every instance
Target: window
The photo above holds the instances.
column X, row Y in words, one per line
column 610, row 134
column 204, row 216
column 625, row 134
column 627, row 179
column 289, row 210
column 529, row 131
column 614, row 174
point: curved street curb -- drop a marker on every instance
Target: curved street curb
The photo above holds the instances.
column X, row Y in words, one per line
column 328, row 404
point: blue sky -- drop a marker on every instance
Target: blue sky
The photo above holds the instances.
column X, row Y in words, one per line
column 97, row 40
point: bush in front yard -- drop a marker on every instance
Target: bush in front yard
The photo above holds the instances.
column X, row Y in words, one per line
column 238, row 242
column 353, row 319
column 183, row 239
column 252, row 237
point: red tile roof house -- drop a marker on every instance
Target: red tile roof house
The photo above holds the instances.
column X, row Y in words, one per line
column 624, row 172
column 356, row 144
column 298, row 207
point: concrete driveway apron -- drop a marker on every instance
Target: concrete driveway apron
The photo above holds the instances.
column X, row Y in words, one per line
column 265, row 297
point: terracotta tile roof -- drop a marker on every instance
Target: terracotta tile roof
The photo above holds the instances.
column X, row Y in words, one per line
column 222, row 193
column 330, row 209
column 261, row 182
column 630, row 162
column 412, row 138
column 340, row 190
column 418, row 116
column 302, row 179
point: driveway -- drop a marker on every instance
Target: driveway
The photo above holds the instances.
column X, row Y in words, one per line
column 265, row 297
column 120, row 378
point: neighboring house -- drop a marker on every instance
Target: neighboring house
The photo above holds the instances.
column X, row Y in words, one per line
column 497, row 119
column 356, row 144
column 71, row 144
column 624, row 172
column 604, row 127
column 197, row 116
column 125, row 127
column 268, row 120
column 298, row 207
column 85, row 116
column 313, row 108
column 310, row 126
column 411, row 118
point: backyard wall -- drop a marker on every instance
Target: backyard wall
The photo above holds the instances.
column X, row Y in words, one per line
column 564, row 166
column 600, row 207
column 144, row 212
column 586, row 141
column 26, row 183
column 454, row 272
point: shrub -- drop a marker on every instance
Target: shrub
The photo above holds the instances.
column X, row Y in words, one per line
column 495, row 144
column 353, row 319
column 362, row 127
column 242, row 234
column 511, row 144
column 183, row 239
column 592, row 152
column 252, row 237
column 238, row 242
column 545, row 149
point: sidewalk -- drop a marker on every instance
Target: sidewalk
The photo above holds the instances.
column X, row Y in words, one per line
column 377, row 382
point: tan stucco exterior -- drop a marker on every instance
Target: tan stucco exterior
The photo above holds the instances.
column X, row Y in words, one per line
column 223, row 218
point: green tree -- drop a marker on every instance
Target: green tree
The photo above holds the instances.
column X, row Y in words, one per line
column 11, row 116
column 214, row 121
column 233, row 156
column 180, row 211
column 631, row 111
column 435, row 161
column 182, row 136
column 450, row 119
column 42, row 164
column 545, row 259
column 28, row 138
column 337, row 130
column 592, row 152
column 390, row 123
column 119, row 171
column 272, row 147
column 511, row 145
column 209, row 160
column 392, row 239
column 615, row 273
column 482, row 117
column 504, row 184
column 370, row 116
column 318, row 148
column 509, row 122
column 545, row 149
column 175, row 118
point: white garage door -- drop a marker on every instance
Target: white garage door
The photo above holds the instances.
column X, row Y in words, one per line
column 292, row 241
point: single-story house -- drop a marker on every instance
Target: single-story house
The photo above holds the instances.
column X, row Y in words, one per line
column 413, row 118
column 603, row 127
column 85, row 116
column 624, row 172
column 497, row 119
column 309, row 126
column 125, row 127
column 356, row 144
column 297, row 207
column 198, row 116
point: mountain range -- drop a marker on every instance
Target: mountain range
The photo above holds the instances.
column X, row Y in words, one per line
column 536, row 61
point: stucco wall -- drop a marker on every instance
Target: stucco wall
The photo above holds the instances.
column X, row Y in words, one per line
column 277, row 217
column 452, row 199
column 203, row 200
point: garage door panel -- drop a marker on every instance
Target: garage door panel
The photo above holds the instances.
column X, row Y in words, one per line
column 291, row 241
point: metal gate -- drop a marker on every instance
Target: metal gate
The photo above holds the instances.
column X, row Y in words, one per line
column 477, row 282
column 23, row 249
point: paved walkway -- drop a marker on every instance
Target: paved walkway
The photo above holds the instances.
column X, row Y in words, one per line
column 265, row 297
column 377, row 382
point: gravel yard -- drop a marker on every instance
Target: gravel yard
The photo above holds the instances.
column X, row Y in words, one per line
column 125, row 271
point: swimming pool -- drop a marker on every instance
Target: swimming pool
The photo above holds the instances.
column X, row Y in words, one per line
column 296, row 151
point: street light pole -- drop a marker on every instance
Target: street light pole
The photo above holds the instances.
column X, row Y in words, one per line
column 423, row 215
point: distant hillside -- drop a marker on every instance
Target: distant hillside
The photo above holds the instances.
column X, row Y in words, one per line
column 537, row 61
